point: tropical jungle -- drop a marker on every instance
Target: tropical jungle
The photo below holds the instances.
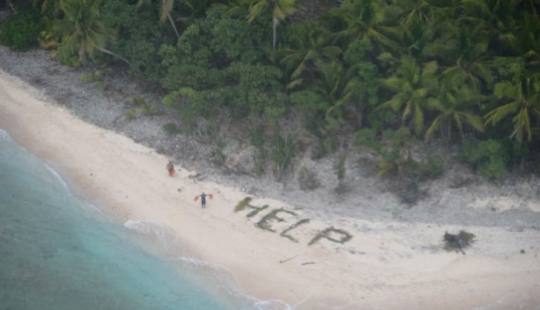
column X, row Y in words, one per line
column 380, row 74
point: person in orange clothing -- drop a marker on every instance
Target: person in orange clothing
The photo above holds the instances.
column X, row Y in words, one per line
column 170, row 169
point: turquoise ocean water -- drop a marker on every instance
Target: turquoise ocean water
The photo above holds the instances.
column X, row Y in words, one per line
column 58, row 252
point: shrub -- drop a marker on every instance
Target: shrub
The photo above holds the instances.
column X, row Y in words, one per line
column 411, row 193
column 139, row 36
column 139, row 101
column 489, row 157
column 394, row 148
column 97, row 76
column 339, row 168
column 430, row 168
column 283, row 151
column 259, row 157
column 307, row 179
column 131, row 114
column 185, row 102
column 213, row 134
column 21, row 31
column 170, row 128
column 218, row 59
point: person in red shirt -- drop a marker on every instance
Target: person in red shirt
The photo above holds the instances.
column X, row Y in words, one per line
column 170, row 169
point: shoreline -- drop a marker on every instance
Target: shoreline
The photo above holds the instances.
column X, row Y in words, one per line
column 385, row 264
column 125, row 178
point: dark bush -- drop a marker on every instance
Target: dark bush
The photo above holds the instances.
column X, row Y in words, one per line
column 489, row 158
column 170, row 128
column 430, row 168
column 21, row 30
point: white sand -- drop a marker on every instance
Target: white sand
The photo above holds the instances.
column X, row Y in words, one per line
column 386, row 265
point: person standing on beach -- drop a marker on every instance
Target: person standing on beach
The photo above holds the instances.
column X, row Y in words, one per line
column 170, row 169
column 203, row 199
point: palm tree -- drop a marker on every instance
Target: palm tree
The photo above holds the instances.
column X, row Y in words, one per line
column 415, row 12
column 418, row 21
column 413, row 87
column 81, row 29
column 514, row 27
column 465, row 51
column 234, row 9
column 454, row 108
column 356, row 19
column 522, row 96
column 416, row 38
column 281, row 9
column 309, row 50
column 528, row 34
column 53, row 5
column 334, row 85
column 164, row 12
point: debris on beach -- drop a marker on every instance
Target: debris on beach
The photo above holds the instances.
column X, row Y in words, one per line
column 288, row 259
column 197, row 177
column 458, row 242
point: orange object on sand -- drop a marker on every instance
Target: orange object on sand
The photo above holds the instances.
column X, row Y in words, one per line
column 197, row 197
column 170, row 168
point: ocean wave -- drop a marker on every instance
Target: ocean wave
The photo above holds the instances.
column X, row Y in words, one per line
column 163, row 238
column 224, row 282
column 57, row 176
column 5, row 136
column 270, row 305
column 207, row 273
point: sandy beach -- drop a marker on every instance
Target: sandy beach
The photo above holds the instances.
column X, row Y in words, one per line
column 273, row 252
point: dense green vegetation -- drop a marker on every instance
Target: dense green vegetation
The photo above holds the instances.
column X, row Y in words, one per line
column 452, row 70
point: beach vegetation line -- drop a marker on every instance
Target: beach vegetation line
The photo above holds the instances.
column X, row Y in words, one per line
column 449, row 72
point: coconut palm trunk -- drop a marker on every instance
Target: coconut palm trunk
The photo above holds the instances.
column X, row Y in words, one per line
column 281, row 9
column 106, row 51
column 274, row 30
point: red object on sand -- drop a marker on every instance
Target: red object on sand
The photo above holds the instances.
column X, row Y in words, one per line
column 211, row 196
column 170, row 168
column 196, row 198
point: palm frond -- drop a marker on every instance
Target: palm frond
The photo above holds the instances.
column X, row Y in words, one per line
column 436, row 124
column 166, row 9
column 474, row 120
column 420, row 93
column 394, row 84
column 497, row 114
column 435, row 104
column 394, row 103
column 418, row 119
column 429, row 70
column 504, row 90
column 522, row 123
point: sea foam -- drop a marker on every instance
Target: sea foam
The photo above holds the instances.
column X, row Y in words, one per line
column 205, row 273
